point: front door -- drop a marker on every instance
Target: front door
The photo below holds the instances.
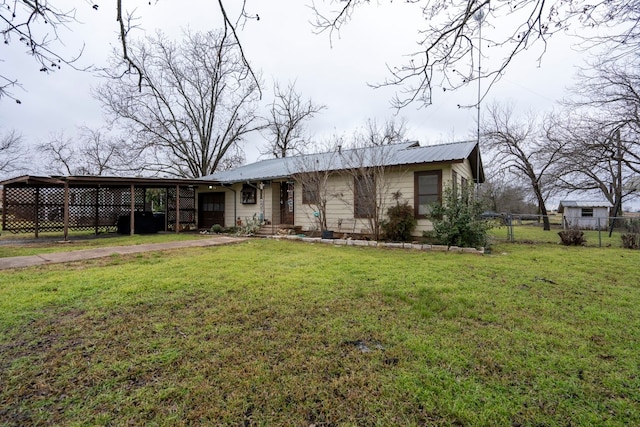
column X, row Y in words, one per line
column 286, row 203
column 210, row 209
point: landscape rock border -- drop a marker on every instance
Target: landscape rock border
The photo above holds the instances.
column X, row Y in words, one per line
column 377, row 244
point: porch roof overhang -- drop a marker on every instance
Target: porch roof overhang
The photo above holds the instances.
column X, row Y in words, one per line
column 103, row 181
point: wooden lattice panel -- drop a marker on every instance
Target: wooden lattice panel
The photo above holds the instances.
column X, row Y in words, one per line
column 187, row 207
column 28, row 209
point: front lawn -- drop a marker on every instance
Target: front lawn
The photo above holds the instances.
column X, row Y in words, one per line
column 21, row 244
column 288, row 333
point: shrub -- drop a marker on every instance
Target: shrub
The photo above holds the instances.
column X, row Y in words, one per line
column 250, row 226
column 631, row 239
column 216, row 228
column 457, row 221
column 401, row 223
column 572, row 237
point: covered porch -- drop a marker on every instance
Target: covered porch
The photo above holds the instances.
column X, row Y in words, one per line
column 36, row 204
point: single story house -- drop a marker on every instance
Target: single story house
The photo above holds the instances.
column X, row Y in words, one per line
column 279, row 192
column 276, row 192
column 589, row 215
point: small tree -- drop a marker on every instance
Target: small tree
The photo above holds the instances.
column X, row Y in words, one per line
column 312, row 172
column 368, row 181
column 457, row 222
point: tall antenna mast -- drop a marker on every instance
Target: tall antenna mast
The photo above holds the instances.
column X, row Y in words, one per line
column 479, row 16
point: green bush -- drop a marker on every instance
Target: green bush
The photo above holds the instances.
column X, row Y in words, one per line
column 457, row 222
column 401, row 223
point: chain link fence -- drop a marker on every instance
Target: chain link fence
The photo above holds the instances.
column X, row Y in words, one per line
column 597, row 232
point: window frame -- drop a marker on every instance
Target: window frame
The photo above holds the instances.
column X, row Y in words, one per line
column 417, row 194
column 586, row 212
column 362, row 202
column 310, row 193
column 249, row 194
column 454, row 181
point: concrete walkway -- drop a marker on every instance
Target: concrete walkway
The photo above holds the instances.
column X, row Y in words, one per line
column 79, row 255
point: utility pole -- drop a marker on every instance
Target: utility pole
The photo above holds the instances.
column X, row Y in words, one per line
column 479, row 16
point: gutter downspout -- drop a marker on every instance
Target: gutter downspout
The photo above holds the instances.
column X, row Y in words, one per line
column 235, row 201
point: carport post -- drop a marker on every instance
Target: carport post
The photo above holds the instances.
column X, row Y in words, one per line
column 96, row 219
column 65, row 213
column 4, row 212
column 36, row 221
column 132, row 221
column 177, row 208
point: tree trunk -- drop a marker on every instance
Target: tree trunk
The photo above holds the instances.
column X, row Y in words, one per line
column 543, row 210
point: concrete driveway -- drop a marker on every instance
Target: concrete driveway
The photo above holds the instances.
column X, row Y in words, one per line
column 79, row 255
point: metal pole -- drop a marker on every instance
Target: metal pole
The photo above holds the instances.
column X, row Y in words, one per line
column 479, row 17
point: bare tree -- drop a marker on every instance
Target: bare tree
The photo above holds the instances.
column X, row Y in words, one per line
column 369, row 183
column 520, row 150
column 196, row 102
column 12, row 154
column 36, row 25
column 391, row 132
column 600, row 127
column 285, row 129
column 499, row 193
column 313, row 171
column 448, row 44
column 94, row 152
column 594, row 158
column 613, row 89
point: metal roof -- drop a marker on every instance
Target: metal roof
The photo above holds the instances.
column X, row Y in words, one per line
column 408, row 153
column 583, row 204
column 96, row 181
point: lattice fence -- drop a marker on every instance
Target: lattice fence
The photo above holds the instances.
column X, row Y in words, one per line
column 187, row 208
column 41, row 209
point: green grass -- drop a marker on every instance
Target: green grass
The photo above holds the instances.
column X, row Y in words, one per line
column 286, row 333
column 21, row 245
column 534, row 233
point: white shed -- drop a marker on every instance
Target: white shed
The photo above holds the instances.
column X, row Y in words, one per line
column 586, row 215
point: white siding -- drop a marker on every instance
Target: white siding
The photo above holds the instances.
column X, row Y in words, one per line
column 340, row 205
column 573, row 218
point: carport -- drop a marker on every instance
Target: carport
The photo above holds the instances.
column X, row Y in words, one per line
column 35, row 204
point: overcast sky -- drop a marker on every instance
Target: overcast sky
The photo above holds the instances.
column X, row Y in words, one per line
column 282, row 46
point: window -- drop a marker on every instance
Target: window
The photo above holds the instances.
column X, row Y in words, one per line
column 587, row 212
column 427, row 190
column 310, row 193
column 454, row 181
column 248, row 194
column 364, row 195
